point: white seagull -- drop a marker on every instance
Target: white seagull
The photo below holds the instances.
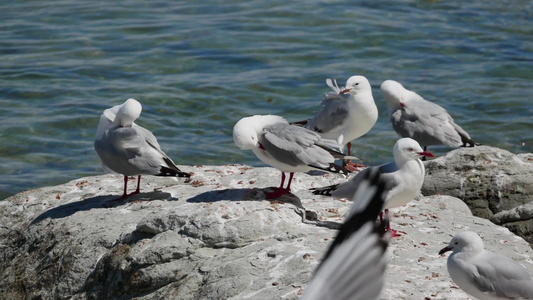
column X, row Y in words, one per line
column 129, row 149
column 425, row 122
column 404, row 178
column 347, row 113
column 485, row 274
column 354, row 264
column 288, row 148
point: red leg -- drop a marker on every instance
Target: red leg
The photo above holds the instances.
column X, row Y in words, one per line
column 138, row 190
column 125, row 194
column 288, row 189
column 393, row 232
column 280, row 191
column 125, row 187
column 282, row 180
column 348, row 164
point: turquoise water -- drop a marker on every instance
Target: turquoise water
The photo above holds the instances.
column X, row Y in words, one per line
column 198, row 67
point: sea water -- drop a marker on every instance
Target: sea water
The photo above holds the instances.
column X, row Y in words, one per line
column 197, row 67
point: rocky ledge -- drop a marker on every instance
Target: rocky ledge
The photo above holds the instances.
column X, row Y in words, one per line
column 216, row 237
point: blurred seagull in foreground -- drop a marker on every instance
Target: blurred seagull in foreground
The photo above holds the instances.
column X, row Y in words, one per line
column 129, row 149
column 403, row 177
column 286, row 147
column 354, row 264
column 485, row 274
column 425, row 122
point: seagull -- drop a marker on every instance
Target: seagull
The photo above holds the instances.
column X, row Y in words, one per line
column 354, row 264
column 426, row 122
column 346, row 113
column 286, row 147
column 404, row 177
column 129, row 149
column 485, row 274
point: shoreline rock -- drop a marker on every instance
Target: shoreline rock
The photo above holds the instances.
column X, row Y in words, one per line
column 489, row 180
column 213, row 237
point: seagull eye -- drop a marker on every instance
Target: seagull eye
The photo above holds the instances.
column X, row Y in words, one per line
column 357, row 83
column 410, row 149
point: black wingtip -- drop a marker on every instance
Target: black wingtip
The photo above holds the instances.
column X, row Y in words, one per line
column 326, row 191
column 171, row 170
column 299, row 123
column 333, row 168
column 164, row 171
column 369, row 214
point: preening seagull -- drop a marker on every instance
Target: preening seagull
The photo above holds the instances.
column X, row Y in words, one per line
column 129, row 149
column 286, row 147
column 346, row 113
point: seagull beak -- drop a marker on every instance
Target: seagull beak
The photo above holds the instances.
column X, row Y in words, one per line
column 426, row 153
column 344, row 91
column 444, row 250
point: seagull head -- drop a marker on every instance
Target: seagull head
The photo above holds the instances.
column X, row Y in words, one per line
column 393, row 92
column 244, row 134
column 128, row 112
column 407, row 149
column 465, row 241
column 355, row 85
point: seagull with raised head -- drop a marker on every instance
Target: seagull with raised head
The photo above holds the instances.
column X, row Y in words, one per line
column 354, row 264
column 404, row 178
column 425, row 122
column 286, row 147
column 485, row 274
column 347, row 113
column 129, row 149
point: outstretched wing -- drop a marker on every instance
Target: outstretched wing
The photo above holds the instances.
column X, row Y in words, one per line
column 354, row 264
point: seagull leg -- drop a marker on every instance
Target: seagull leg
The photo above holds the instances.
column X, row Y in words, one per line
column 348, row 164
column 138, row 190
column 393, row 232
column 280, row 191
column 425, row 149
column 125, row 194
column 288, row 189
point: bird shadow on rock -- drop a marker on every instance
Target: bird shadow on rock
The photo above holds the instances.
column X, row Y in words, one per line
column 258, row 194
column 246, row 194
column 97, row 202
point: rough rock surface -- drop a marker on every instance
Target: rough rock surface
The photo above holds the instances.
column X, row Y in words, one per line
column 489, row 180
column 214, row 237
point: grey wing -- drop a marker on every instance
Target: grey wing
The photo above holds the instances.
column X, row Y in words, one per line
column 148, row 136
column 294, row 145
column 425, row 122
column 504, row 277
column 126, row 142
column 354, row 265
column 332, row 114
column 348, row 188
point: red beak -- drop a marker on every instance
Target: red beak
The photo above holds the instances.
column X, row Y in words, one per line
column 344, row 91
column 426, row 153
